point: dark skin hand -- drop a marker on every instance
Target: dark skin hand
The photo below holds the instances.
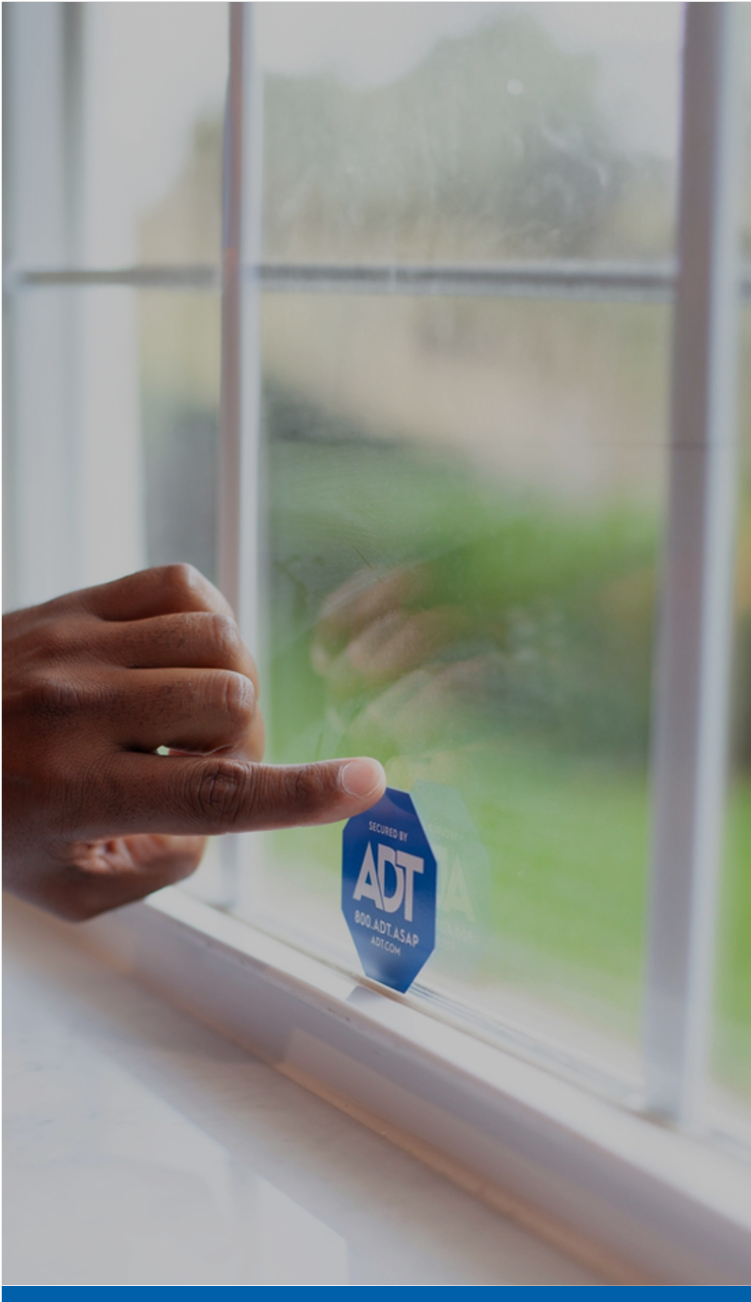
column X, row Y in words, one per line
column 93, row 683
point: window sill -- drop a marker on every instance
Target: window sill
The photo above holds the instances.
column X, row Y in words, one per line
column 634, row 1199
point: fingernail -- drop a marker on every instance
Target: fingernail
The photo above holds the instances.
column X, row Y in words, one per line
column 362, row 778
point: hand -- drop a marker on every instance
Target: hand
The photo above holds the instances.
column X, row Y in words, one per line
column 93, row 684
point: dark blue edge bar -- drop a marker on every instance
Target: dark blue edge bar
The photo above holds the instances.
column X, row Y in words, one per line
column 507, row 1290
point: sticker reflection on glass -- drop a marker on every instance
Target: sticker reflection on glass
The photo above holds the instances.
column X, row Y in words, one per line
column 463, row 879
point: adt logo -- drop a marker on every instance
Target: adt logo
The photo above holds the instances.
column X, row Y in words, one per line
column 389, row 890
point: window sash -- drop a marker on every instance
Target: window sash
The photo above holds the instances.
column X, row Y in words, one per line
column 692, row 680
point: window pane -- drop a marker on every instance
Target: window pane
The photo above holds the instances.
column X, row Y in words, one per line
column 469, row 132
column 180, row 372
column 465, row 510
column 155, row 78
column 114, row 455
column 74, row 439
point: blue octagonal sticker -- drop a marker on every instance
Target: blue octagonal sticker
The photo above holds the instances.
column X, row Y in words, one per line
column 389, row 890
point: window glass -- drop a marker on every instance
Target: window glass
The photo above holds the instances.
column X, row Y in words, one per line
column 465, row 511
column 469, row 132
column 75, row 459
column 116, row 452
column 465, row 495
column 179, row 344
column 155, row 79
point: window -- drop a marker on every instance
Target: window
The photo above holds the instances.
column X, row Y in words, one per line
column 475, row 474
column 470, row 502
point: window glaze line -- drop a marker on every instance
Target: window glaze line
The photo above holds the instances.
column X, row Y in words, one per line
column 610, row 281
column 138, row 277
column 564, row 278
column 692, row 681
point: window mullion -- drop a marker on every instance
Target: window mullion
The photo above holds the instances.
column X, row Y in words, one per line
column 693, row 662
column 239, row 442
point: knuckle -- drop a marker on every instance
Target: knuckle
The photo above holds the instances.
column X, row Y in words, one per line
column 218, row 793
column 225, row 636
column 51, row 697
column 237, row 697
column 180, row 580
column 176, row 633
column 309, row 788
column 54, row 640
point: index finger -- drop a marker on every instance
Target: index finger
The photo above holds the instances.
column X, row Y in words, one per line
column 191, row 796
column 164, row 590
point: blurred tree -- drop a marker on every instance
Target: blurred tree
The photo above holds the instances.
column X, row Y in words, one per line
column 493, row 144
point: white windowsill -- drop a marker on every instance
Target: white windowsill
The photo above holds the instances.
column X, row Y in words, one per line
column 634, row 1199
column 144, row 1149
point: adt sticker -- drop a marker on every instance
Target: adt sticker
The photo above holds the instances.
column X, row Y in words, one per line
column 389, row 890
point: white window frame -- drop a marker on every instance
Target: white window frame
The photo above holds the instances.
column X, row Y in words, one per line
column 635, row 1190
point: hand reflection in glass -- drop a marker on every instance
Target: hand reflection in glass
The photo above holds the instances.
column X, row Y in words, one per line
column 401, row 666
